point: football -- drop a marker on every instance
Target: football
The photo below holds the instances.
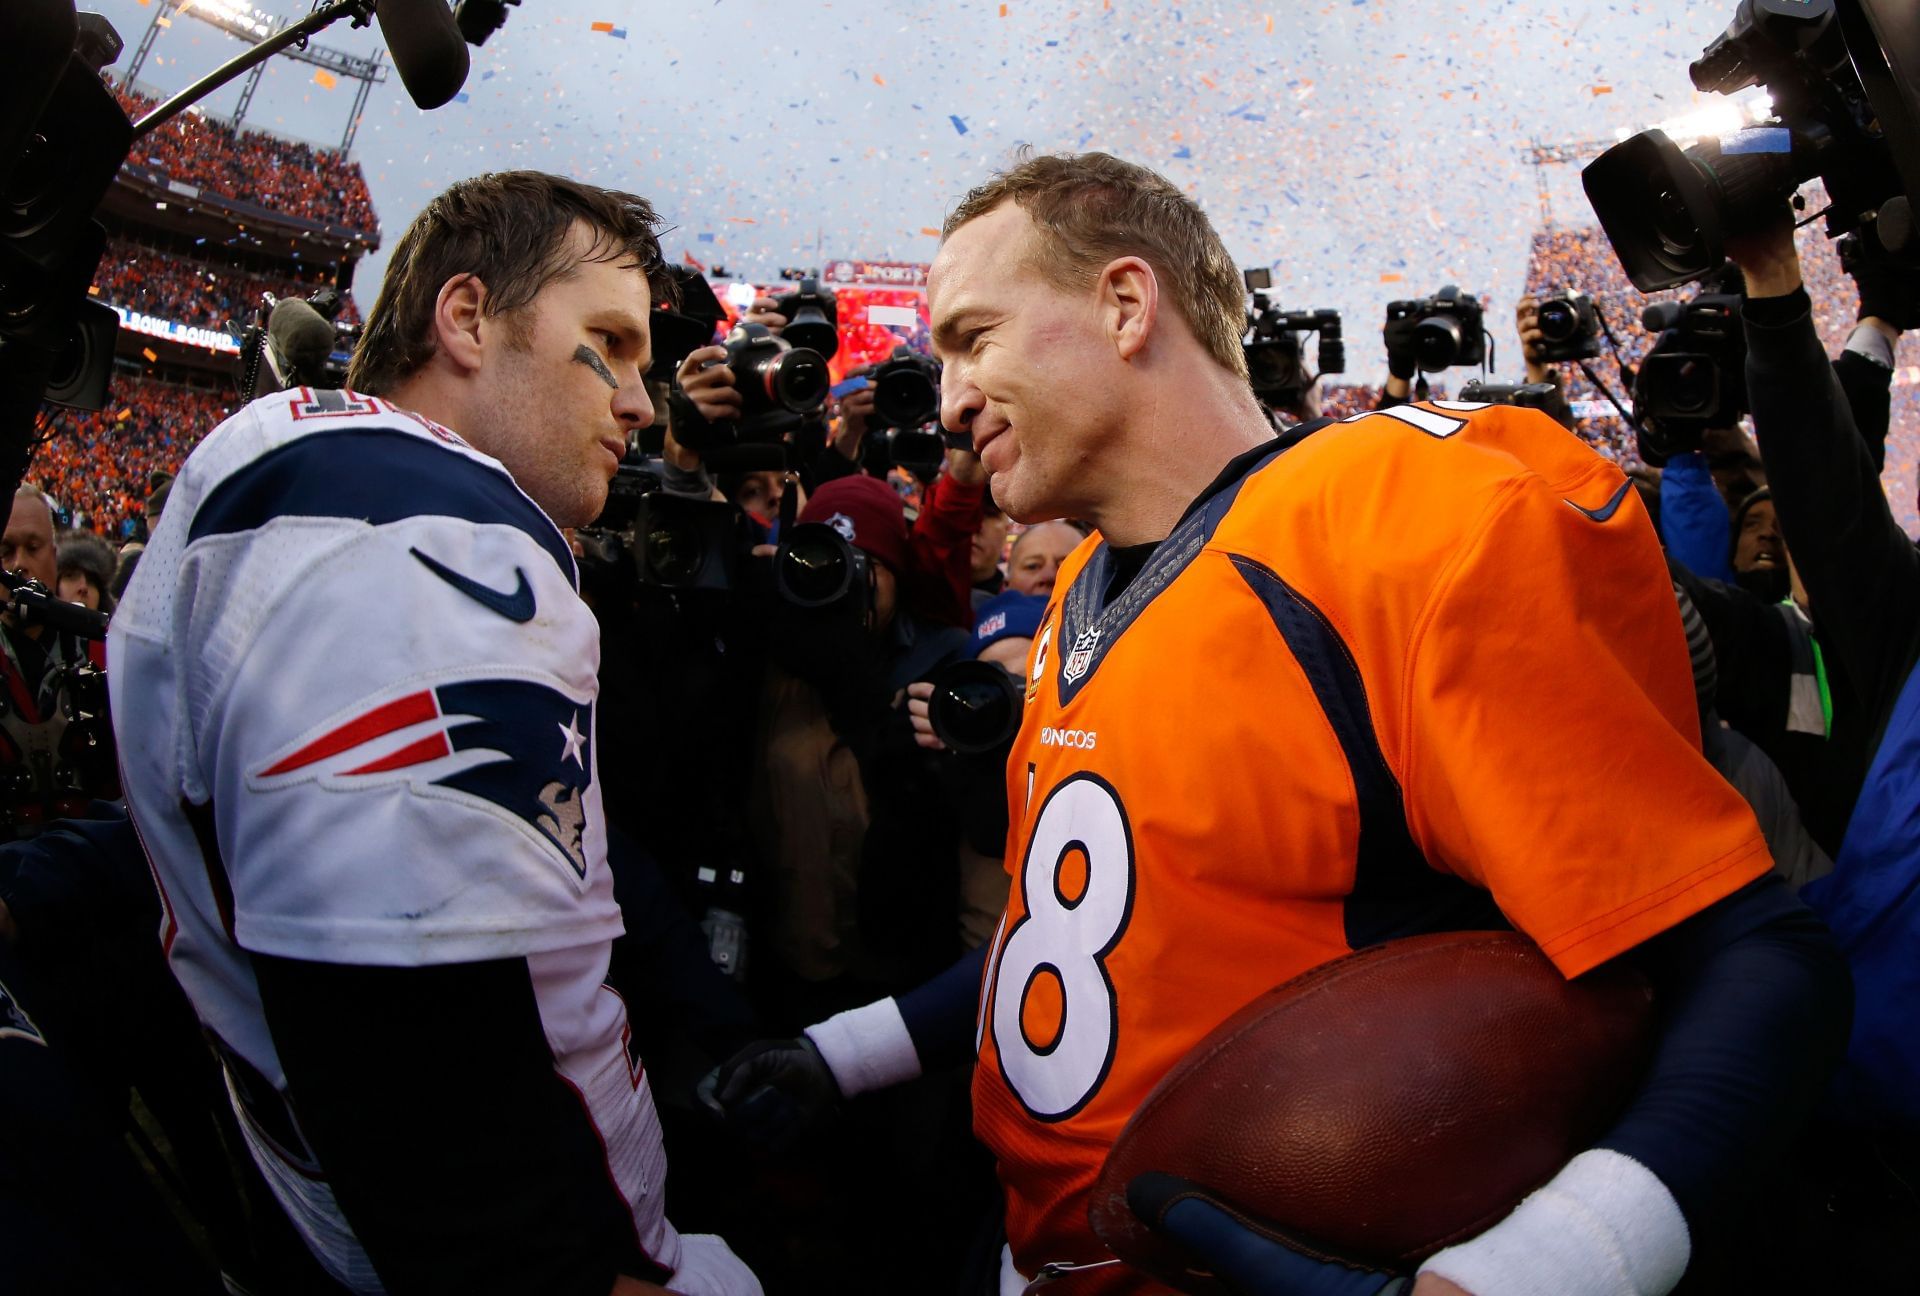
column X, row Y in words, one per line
column 1386, row 1104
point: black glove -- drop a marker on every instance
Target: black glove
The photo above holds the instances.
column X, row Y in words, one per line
column 1888, row 289
column 771, row 1090
column 1402, row 358
column 1249, row 1262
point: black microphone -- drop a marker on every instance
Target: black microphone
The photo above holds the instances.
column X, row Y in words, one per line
column 299, row 343
column 426, row 48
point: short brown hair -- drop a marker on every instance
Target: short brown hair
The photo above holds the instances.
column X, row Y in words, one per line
column 1092, row 208
column 511, row 230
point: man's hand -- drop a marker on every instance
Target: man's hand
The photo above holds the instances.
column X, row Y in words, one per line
column 765, row 311
column 1250, row 1263
column 856, row 411
column 919, row 706
column 1526, row 317
column 708, row 383
column 965, row 468
column 1767, row 257
column 771, row 1090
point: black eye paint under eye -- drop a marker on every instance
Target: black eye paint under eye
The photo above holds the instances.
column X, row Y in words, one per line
column 586, row 356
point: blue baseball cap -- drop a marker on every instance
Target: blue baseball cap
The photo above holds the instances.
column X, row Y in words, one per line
column 1011, row 615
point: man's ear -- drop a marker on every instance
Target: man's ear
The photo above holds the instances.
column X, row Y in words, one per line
column 1129, row 296
column 458, row 313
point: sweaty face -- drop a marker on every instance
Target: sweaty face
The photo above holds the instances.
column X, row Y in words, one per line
column 564, row 386
column 27, row 546
column 1037, row 556
column 1028, row 366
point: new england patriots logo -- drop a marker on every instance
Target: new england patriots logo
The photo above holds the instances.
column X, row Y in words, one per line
column 517, row 745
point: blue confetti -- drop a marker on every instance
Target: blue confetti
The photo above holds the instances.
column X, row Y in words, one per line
column 1183, row 152
column 958, row 125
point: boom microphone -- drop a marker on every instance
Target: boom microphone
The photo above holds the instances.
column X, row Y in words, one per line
column 426, row 48
column 299, row 343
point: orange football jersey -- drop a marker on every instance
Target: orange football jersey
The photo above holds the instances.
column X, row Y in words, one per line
column 1421, row 671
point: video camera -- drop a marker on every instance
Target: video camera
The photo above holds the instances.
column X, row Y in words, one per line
column 1448, row 328
column 1275, row 366
column 1569, row 328
column 906, row 406
column 295, row 342
column 664, row 541
column 1839, row 114
column 1694, row 378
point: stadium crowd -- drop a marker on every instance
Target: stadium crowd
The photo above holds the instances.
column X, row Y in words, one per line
column 299, row 180
column 98, row 467
column 191, row 291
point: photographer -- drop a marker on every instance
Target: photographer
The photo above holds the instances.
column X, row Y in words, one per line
column 1862, row 577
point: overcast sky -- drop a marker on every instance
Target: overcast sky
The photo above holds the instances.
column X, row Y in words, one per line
column 1340, row 143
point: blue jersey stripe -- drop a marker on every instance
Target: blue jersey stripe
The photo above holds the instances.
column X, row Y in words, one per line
column 376, row 475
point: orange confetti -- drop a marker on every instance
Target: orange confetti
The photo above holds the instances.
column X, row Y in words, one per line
column 1390, row 277
column 93, row 290
column 1269, row 24
column 743, row 220
column 878, row 79
column 1602, row 89
column 123, row 415
column 1208, row 82
column 932, row 231
column 324, row 79
column 601, row 27
column 149, row 353
column 1003, row 11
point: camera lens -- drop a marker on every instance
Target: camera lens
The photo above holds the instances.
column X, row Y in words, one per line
column 906, row 398
column 1674, row 229
column 1558, row 320
column 1693, row 387
column 814, row 566
column 673, row 552
column 1437, row 340
column 796, row 380
column 975, row 706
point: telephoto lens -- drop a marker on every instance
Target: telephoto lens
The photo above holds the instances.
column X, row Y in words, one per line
column 815, row 567
column 812, row 318
column 975, row 706
column 773, row 374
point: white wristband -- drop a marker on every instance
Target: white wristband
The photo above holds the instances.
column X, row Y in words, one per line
column 867, row 1047
column 1604, row 1226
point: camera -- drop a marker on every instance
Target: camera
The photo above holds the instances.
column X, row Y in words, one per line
column 683, row 326
column 1276, row 367
column 816, row 567
column 1448, row 328
column 812, row 318
column 779, row 384
column 1525, row 395
column 975, row 706
column 906, row 404
column 1694, row 378
column 667, row 541
column 1838, row 112
column 1569, row 328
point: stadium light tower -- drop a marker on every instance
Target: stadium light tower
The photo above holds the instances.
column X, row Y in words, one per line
column 256, row 26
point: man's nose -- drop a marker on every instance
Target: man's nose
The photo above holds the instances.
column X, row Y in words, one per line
column 960, row 400
column 632, row 406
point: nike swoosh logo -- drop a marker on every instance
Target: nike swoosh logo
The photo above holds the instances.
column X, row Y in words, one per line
column 517, row 606
column 1608, row 509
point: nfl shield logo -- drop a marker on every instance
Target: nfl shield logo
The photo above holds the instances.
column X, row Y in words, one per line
column 1080, row 660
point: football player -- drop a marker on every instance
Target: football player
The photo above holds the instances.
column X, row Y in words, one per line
column 355, row 687
column 1418, row 670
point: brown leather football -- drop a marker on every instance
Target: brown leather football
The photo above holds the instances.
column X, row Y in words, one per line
column 1386, row 1104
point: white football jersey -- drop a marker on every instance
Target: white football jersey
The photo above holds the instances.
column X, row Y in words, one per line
column 353, row 685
